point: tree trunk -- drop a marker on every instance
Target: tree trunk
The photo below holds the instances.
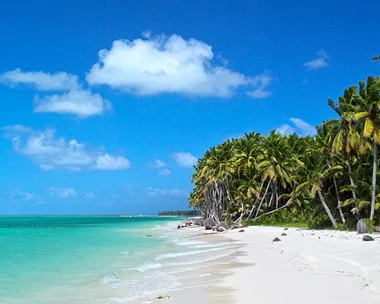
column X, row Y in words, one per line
column 327, row 209
column 257, row 199
column 337, row 196
column 266, row 190
column 278, row 209
column 349, row 165
column 374, row 169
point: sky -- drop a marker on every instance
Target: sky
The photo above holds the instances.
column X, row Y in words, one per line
column 107, row 105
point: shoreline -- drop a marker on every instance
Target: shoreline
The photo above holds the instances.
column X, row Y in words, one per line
column 306, row 266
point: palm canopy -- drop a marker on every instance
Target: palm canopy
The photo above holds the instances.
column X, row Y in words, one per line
column 259, row 175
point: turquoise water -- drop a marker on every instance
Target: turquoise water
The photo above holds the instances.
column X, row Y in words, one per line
column 75, row 259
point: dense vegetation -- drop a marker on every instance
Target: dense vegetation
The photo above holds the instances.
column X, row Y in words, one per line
column 180, row 213
column 330, row 178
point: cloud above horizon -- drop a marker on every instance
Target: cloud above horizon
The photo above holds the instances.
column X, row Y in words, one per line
column 300, row 127
column 165, row 172
column 52, row 152
column 66, row 193
column 60, row 81
column 76, row 101
column 158, row 163
column 171, row 64
column 185, row 159
column 172, row 192
column 82, row 103
column 321, row 61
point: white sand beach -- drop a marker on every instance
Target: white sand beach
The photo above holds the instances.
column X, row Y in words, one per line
column 306, row 266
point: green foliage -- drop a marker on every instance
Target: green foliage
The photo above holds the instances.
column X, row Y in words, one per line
column 283, row 218
column 180, row 213
column 317, row 181
column 370, row 225
column 229, row 221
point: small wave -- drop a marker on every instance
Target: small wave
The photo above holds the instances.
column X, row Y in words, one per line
column 125, row 252
column 110, row 279
column 147, row 266
column 184, row 253
column 186, row 243
column 203, row 260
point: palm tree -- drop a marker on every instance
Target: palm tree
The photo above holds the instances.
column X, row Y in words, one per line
column 344, row 134
column 324, row 142
column 369, row 112
column 316, row 172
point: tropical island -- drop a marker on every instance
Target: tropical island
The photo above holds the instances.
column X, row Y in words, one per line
column 328, row 180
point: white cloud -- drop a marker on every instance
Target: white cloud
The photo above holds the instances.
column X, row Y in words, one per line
column 263, row 81
column 51, row 152
column 185, row 159
column 286, row 129
column 159, row 163
column 69, row 193
column 304, row 127
column 82, row 103
column 173, row 192
column 27, row 196
column 318, row 63
column 60, row 81
column 172, row 64
column 62, row 192
column 165, row 172
column 300, row 127
column 109, row 162
column 16, row 129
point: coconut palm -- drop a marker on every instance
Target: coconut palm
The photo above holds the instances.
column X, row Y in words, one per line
column 344, row 135
column 368, row 111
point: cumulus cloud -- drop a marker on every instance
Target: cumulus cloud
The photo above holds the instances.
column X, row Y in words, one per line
column 165, row 172
column 159, row 163
column 69, row 193
column 172, row 64
column 52, row 152
column 172, row 192
column 321, row 61
column 16, row 129
column 185, row 159
column 82, row 103
column 60, row 81
column 62, row 192
column 109, row 162
column 286, row 129
column 299, row 126
column 17, row 194
column 304, row 127
column 262, row 82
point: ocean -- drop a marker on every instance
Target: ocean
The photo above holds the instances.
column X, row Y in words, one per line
column 95, row 259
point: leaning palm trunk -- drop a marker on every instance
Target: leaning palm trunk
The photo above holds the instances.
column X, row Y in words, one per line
column 262, row 200
column 374, row 169
column 349, row 165
column 256, row 201
column 273, row 211
column 337, row 196
column 332, row 219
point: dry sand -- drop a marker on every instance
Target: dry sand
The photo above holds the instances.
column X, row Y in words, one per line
column 305, row 267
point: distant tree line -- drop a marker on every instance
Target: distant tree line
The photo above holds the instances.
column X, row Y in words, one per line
column 179, row 213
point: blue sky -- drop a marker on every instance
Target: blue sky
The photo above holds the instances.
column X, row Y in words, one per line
column 108, row 104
